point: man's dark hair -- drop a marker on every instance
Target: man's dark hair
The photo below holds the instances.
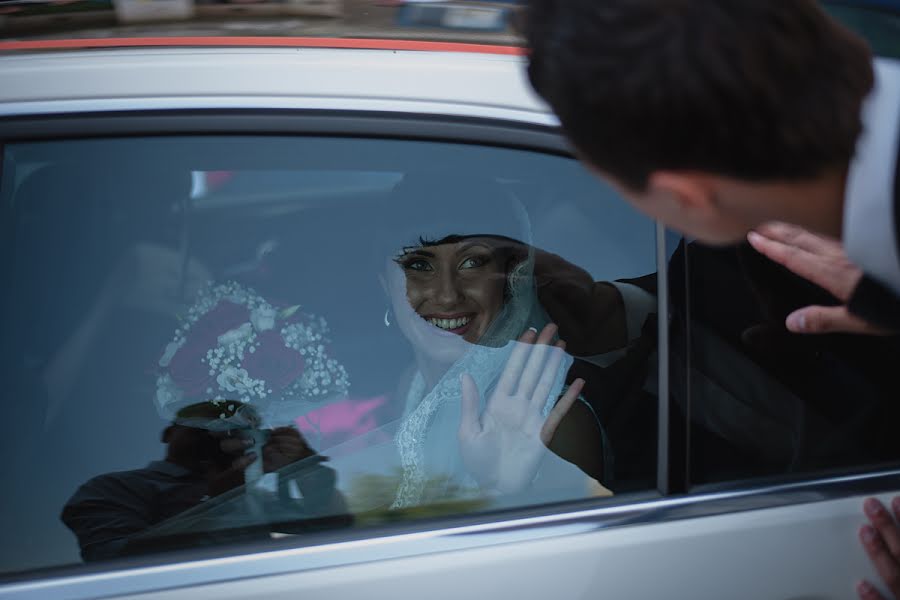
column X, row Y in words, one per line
column 753, row 89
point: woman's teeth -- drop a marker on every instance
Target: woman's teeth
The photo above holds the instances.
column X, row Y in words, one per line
column 450, row 324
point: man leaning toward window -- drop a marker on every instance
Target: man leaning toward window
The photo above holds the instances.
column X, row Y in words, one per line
column 719, row 117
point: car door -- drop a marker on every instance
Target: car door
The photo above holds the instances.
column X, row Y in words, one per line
column 681, row 502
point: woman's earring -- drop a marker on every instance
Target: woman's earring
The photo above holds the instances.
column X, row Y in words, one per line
column 387, row 318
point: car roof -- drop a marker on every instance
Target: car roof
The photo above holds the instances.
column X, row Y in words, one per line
column 370, row 75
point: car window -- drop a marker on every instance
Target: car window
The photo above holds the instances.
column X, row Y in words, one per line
column 761, row 401
column 216, row 340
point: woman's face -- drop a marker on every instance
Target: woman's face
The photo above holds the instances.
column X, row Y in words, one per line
column 453, row 292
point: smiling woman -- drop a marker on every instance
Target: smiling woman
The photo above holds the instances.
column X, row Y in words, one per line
column 461, row 287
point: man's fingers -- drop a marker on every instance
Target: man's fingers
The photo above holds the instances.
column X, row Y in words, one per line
column 242, row 462
column 286, row 432
column 231, row 477
column 289, row 449
column 559, row 411
column 885, row 564
column 883, row 521
column 235, row 445
column 829, row 319
column 509, row 379
column 867, row 591
column 801, row 238
column 289, row 446
column 469, row 423
column 288, row 439
column 807, row 265
column 818, row 259
column 895, row 507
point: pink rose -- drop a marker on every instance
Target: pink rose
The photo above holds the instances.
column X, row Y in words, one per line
column 273, row 362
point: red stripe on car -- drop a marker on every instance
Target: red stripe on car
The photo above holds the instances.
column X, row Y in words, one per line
column 265, row 42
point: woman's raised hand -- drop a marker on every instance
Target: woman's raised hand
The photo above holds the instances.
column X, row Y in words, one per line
column 503, row 444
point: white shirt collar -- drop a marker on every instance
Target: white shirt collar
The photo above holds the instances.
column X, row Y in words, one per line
column 869, row 230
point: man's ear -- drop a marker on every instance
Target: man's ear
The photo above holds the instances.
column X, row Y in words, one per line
column 683, row 191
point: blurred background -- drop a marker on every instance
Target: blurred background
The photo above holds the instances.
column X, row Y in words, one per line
column 449, row 20
column 472, row 21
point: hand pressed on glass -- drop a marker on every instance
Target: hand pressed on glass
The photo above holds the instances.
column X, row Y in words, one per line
column 822, row 261
column 503, row 445
column 881, row 540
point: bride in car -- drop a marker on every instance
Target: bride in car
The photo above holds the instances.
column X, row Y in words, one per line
column 472, row 417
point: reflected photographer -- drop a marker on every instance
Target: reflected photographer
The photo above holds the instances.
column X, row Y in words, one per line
column 109, row 512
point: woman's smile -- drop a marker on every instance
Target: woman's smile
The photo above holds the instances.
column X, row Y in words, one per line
column 458, row 324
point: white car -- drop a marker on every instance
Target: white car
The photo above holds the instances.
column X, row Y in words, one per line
column 227, row 225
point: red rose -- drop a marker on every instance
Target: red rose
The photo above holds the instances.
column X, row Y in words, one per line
column 224, row 317
column 187, row 368
column 273, row 362
column 188, row 371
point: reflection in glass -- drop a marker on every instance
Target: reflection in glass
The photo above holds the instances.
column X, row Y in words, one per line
column 764, row 401
column 143, row 271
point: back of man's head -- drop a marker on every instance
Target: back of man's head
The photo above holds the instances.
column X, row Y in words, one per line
column 752, row 89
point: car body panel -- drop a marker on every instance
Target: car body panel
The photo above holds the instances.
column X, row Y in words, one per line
column 772, row 553
column 398, row 81
column 745, row 556
column 260, row 42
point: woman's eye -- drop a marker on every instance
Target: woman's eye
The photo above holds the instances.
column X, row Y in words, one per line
column 473, row 262
column 417, row 264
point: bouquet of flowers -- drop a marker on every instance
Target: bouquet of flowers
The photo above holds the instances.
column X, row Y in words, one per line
column 257, row 362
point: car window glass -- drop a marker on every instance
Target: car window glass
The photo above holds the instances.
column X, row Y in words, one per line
column 764, row 402
column 216, row 340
